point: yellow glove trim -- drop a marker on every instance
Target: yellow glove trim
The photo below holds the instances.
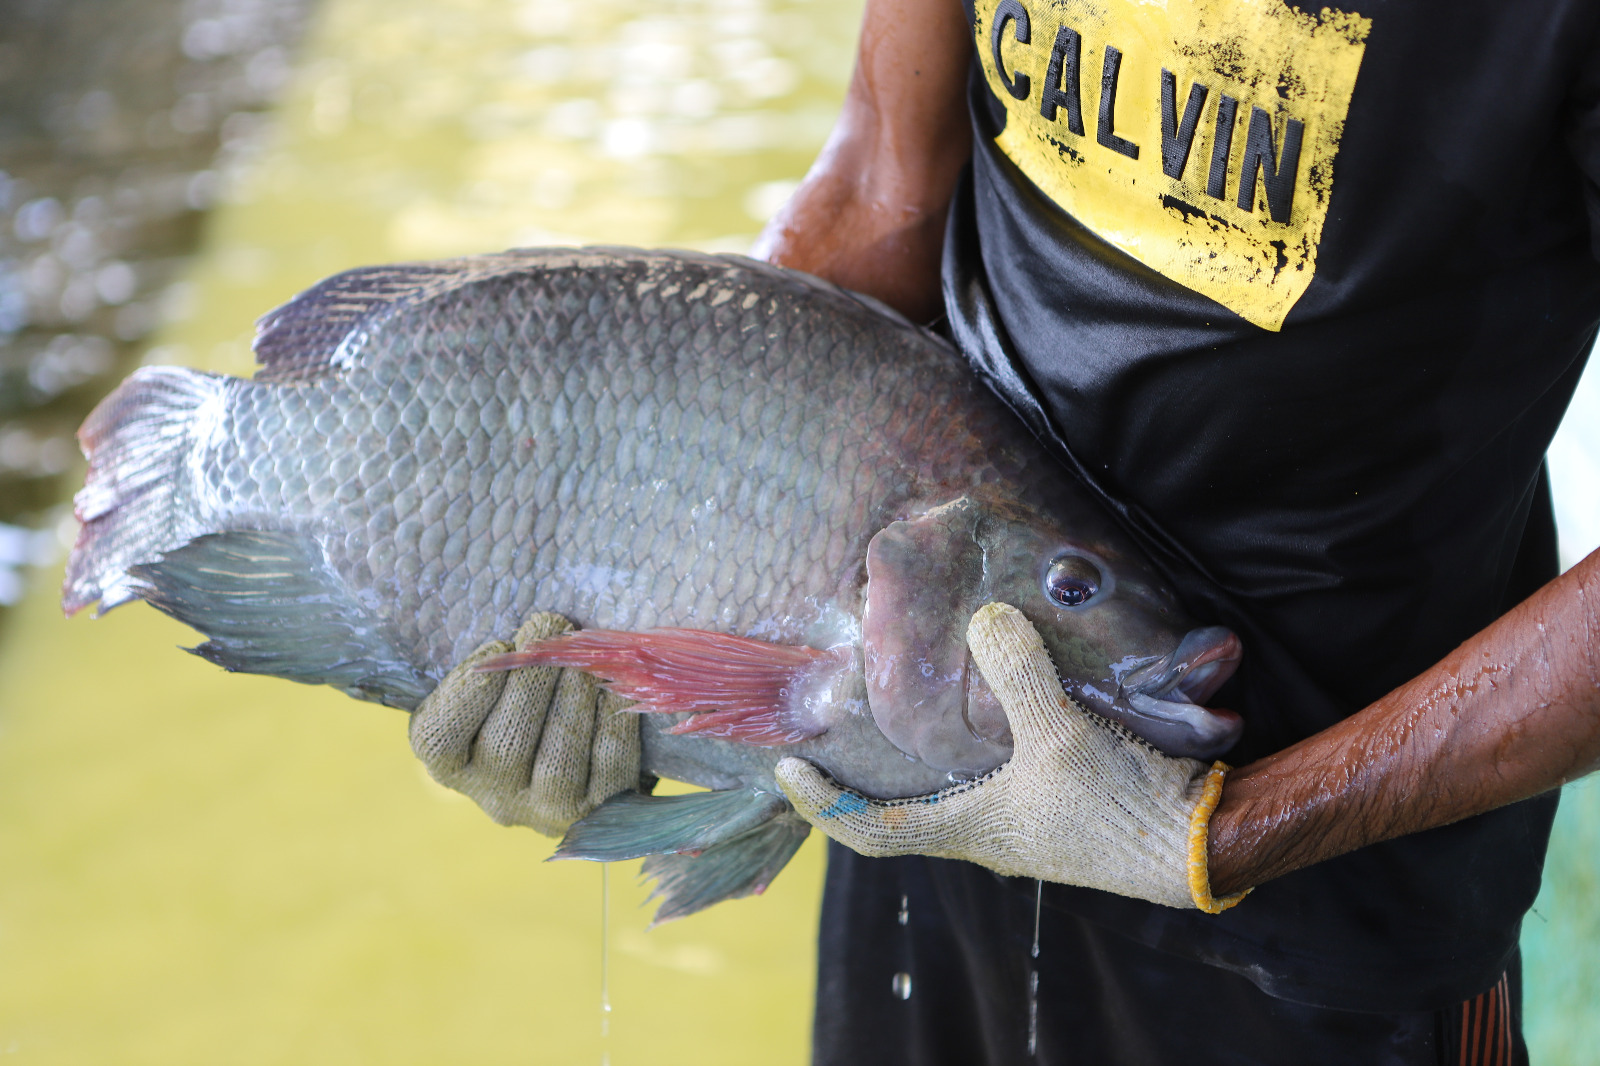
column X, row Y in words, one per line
column 1199, row 827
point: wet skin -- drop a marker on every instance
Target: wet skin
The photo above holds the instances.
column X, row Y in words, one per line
column 870, row 214
column 1120, row 647
column 1513, row 712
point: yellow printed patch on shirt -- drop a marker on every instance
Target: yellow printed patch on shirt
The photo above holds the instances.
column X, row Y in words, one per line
column 1198, row 136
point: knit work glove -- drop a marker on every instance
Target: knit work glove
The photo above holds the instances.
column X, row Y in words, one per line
column 1082, row 801
column 540, row 746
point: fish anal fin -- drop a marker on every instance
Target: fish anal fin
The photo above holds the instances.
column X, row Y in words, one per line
column 735, row 688
column 271, row 604
column 742, row 866
column 631, row 825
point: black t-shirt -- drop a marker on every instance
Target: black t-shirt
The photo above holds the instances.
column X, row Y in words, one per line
column 1304, row 295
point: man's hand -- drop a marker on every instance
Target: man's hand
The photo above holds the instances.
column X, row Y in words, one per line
column 1082, row 801
column 540, row 746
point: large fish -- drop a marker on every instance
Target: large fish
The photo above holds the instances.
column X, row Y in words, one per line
column 813, row 492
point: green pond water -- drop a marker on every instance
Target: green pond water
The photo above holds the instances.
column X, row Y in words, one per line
column 204, row 868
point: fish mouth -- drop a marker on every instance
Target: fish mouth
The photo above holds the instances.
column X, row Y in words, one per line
column 1161, row 700
column 1200, row 664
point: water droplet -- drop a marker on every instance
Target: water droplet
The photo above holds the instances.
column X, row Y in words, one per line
column 960, row 777
column 605, row 964
column 1033, row 1012
column 1033, row 974
column 1038, row 902
column 902, row 985
column 905, row 910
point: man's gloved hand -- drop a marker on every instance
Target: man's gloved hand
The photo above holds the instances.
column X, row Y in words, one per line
column 540, row 746
column 1081, row 802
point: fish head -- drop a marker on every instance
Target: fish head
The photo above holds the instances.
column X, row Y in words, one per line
column 1120, row 643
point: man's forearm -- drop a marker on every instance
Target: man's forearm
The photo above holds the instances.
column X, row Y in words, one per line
column 1513, row 712
column 870, row 214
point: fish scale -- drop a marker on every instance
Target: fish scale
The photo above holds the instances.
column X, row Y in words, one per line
column 432, row 452
column 578, row 379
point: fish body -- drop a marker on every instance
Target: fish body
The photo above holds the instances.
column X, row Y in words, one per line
column 431, row 452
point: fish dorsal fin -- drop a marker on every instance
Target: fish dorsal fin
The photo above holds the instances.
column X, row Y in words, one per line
column 319, row 330
column 322, row 330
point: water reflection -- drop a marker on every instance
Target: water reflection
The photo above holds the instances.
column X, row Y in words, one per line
column 680, row 122
column 120, row 122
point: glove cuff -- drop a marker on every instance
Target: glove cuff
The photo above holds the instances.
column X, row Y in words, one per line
column 1199, row 830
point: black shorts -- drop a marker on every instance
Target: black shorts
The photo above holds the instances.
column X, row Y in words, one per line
column 927, row 961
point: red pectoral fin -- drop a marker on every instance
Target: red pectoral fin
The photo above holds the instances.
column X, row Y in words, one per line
column 735, row 687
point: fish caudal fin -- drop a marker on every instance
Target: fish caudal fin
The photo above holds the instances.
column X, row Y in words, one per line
column 138, row 500
column 733, row 687
column 271, row 604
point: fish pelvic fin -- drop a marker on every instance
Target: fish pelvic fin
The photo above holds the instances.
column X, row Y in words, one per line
column 271, row 604
column 735, row 688
column 742, row 866
column 138, row 499
column 701, row 847
column 631, row 825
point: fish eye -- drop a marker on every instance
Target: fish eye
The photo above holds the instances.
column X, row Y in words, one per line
column 1072, row 581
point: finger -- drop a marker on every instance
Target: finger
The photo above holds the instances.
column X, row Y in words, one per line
column 541, row 626
column 503, row 752
column 1011, row 656
column 922, row 825
column 614, row 759
column 444, row 726
column 560, row 782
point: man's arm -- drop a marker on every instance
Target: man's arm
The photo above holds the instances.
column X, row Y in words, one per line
column 1509, row 714
column 870, row 214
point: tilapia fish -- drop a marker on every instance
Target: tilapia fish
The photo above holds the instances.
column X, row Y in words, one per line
column 771, row 504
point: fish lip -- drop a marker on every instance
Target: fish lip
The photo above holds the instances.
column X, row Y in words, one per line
column 1162, row 700
column 1201, row 663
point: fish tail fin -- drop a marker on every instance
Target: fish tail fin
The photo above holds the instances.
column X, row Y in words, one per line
column 732, row 687
column 138, row 500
